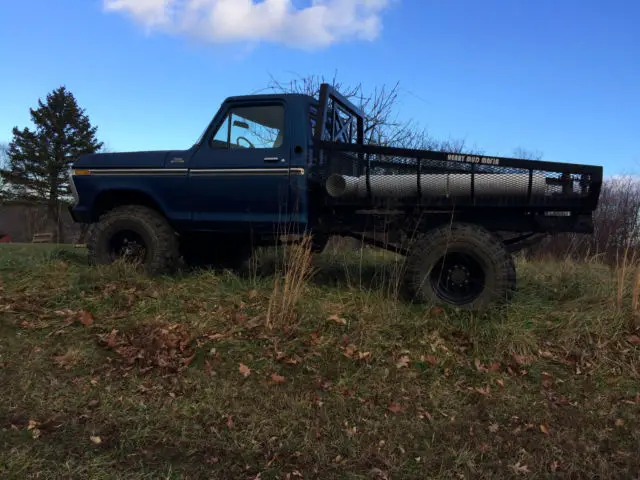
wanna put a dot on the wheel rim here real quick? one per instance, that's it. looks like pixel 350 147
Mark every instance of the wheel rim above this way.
pixel 128 246
pixel 457 278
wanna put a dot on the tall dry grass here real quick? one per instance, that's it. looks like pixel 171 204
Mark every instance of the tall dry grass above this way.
pixel 616 228
pixel 627 277
pixel 294 269
pixel 615 242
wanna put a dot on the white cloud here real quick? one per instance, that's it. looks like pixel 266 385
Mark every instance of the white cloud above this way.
pixel 320 24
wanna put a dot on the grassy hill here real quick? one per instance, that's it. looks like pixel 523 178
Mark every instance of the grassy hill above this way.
pixel 105 373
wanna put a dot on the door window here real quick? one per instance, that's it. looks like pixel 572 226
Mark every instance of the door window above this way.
pixel 251 127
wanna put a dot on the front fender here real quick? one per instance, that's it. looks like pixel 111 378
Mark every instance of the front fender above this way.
pixel 100 191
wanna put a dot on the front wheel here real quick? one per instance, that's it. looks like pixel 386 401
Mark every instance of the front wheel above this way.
pixel 461 265
pixel 136 234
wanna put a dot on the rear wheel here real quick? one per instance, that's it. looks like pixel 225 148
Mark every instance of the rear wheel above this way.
pixel 135 234
pixel 461 265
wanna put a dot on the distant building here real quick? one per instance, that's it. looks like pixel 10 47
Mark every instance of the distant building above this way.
pixel 21 220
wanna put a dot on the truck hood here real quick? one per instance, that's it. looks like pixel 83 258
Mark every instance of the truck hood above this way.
pixel 152 159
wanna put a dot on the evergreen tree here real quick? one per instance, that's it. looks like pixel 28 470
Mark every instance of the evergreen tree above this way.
pixel 38 160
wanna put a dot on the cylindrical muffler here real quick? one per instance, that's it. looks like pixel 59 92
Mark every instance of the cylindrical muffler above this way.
pixel 436 185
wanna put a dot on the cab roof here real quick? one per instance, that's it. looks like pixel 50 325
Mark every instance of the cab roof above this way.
pixel 271 96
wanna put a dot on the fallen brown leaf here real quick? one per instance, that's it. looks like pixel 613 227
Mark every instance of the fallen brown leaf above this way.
pixel 244 370
pixel 634 340
pixel 520 360
pixel 216 336
pixel 430 359
pixel 544 429
pixel 275 378
pixel 33 427
pixel 395 407
pixel 349 351
pixel 403 361
pixel 229 421
pixel 479 366
pixel 518 468
pixel 619 422
pixel 424 414
pixel 364 355
pixel 483 391
pixel 208 368
pixel 112 338
pixel 187 361
pixel 500 382
pixel 86 318
pixel 494 367
pixel 337 319
pixel 68 359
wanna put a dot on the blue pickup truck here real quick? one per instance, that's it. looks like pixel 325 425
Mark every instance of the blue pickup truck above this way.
pixel 273 164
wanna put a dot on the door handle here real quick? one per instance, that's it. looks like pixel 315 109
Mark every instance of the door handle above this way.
pixel 272 159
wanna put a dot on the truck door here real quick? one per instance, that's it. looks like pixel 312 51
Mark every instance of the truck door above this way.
pixel 239 177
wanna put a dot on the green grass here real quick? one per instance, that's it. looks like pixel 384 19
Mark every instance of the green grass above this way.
pixel 150 385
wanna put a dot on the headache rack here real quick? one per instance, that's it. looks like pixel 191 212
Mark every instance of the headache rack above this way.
pixel 351 173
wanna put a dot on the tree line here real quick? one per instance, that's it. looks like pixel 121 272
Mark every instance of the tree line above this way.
pixel 34 164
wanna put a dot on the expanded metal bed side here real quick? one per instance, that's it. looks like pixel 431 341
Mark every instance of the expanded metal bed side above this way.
pixel 369 175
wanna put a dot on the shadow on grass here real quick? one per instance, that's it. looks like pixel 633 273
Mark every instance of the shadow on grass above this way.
pixel 366 272
pixel 367 276
pixel 77 257
pixel 26 256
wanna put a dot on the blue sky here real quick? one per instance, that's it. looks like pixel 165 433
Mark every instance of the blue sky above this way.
pixel 559 77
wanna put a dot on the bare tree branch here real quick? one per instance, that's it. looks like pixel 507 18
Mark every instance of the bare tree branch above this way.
pixel 382 124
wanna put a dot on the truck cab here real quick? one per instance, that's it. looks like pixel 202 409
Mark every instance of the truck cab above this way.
pixel 245 171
